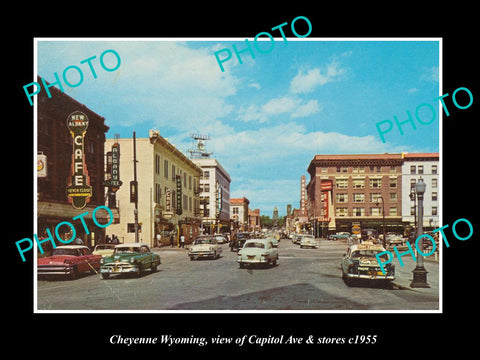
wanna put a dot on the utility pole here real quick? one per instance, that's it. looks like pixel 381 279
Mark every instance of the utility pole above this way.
pixel 135 185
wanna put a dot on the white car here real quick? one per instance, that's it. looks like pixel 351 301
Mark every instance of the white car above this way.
pixel 308 241
pixel 205 246
pixel 258 251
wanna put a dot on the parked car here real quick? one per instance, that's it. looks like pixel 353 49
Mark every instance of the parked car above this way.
pixel 308 241
pixel 68 260
pixel 129 259
pixel 257 251
pixel 205 246
pixel 360 262
pixel 104 249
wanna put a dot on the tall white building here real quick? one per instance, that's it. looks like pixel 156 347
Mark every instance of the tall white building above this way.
pixel 426 167
pixel 214 195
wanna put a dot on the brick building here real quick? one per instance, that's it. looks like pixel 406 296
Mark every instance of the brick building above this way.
pixel 57 151
pixel 355 190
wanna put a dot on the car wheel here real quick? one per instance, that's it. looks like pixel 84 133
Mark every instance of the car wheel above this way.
pixel 214 255
pixel 242 265
pixel 138 272
pixel 153 267
pixel 105 276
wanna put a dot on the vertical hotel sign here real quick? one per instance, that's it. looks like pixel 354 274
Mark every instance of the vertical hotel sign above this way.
pixel 79 190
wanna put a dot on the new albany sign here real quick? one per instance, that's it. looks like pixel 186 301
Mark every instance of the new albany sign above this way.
pixel 79 190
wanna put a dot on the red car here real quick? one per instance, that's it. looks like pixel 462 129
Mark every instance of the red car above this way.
pixel 69 260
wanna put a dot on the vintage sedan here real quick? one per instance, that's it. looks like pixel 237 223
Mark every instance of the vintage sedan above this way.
pixel 68 260
pixel 129 259
pixel 205 246
pixel 360 262
pixel 257 251
pixel 104 249
pixel 308 241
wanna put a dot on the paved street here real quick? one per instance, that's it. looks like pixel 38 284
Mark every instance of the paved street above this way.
pixel 304 279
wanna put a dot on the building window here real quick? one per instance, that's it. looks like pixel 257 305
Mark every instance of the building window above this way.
pixel 359 183
pixel 185 179
pixel 434 169
pixel 190 182
pixel 393 211
pixel 165 169
pixel 157 164
pixel 158 193
pixel 342 198
pixel 434 183
pixel 173 172
pixel 341 212
pixel 420 169
pixel 235 210
pixel 413 169
pixel 434 210
pixel 375 183
pixel 358 198
pixel 185 202
pixel 206 174
pixel 412 211
pixel 393 169
pixel 324 170
pixel 359 211
pixel 375 197
pixel 358 169
pixel 190 203
pixel 393 183
pixel 434 196
pixel 375 211
pixel 393 197
pixel 342 169
pixel 341 183
pixel 412 183
pixel 206 187
pixel 376 169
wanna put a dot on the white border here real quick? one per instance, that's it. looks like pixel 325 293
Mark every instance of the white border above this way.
pixel 353 39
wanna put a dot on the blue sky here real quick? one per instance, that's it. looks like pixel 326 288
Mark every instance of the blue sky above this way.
pixel 269 116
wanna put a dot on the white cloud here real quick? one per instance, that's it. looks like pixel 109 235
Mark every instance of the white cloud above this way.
pixel 292 106
pixel 307 82
pixel 307 109
pixel 431 74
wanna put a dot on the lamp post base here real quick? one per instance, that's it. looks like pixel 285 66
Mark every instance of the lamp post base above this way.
pixel 419 278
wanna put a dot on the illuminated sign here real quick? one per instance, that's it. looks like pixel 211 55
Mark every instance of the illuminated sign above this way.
pixel 79 190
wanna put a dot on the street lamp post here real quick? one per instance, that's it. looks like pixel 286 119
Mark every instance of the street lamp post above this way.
pixel 419 273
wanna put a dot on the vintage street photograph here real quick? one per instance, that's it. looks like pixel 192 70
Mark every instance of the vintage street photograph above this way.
pixel 268 174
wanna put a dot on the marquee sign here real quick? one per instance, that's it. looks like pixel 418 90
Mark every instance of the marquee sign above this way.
pixel 178 180
pixel 79 190
pixel 113 159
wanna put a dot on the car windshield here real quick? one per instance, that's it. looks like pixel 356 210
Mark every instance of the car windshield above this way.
pixel 124 250
pixel 70 252
pixel 255 245
pixel 368 254
pixel 203 241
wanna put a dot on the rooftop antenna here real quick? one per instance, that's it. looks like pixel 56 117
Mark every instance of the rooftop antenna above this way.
pixel 198 150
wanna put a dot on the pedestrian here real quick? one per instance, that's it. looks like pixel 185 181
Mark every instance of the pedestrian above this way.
pixel 182 241
pixel 171 240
